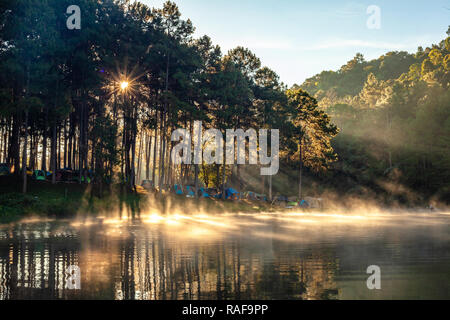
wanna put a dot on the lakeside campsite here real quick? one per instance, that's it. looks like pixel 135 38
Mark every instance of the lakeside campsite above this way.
pixel 258 161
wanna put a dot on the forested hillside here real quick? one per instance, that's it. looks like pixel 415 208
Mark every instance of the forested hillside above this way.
pixel 394 119
pixel 103 101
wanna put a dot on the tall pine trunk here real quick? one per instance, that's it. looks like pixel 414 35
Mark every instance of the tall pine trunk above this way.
pixel 270 188
pixel 44 143
pixel 24 154
pixel 53 142
pixel 155 144
pixel 147 156
pixel 53 154
pixel 300 178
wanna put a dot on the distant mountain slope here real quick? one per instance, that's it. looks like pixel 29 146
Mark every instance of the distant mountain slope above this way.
pixel 430 65
pixel 394 119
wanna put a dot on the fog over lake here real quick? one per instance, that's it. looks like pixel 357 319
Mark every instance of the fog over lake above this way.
pixel 229 256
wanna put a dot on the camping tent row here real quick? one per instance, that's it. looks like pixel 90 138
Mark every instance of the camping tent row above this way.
pixel 62 175
pixel 249 195
pixel 292 202
pixel 65 175
pixel 189 192
pixel 230 193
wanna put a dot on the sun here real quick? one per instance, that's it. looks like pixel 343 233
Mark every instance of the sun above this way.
pixel 124 85
pixel 122 82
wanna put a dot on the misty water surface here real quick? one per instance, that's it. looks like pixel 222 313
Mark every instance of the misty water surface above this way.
pixel 228 256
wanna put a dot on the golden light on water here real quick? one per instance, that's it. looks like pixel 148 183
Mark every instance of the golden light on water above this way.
pixel 299 227
pixel 181 253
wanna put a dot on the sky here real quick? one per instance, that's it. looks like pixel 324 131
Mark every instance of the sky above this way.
pixel 300 38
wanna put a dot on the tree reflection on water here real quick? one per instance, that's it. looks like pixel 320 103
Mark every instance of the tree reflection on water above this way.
pixel 198 257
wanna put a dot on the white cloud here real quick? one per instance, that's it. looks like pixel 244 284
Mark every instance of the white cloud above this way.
pixel 255 43
pixel 350 10
pixel 408 44
pixel 270 44
pixel 346 43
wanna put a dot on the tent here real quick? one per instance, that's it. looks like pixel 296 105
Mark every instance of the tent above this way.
pixel 250 195
pixel 212 192
pixel 147 184
pixel 88 179
pixel 190 192
pixel 178 189
pixel 39 175
pixel 29 172
pixel 261 197
pixel 204 193
pixel 314 203
pixel 231 194
pixel 292 204
pixel 4 169
pixel 255 196
pixel 64 175
pixel 219 195
pixel 304 204
pixel 73 176
pixel 280 200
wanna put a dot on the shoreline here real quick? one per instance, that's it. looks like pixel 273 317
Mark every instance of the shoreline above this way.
pixel 69 200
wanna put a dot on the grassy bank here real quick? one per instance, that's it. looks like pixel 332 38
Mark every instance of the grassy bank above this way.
pixel 43 198
pixel 68 200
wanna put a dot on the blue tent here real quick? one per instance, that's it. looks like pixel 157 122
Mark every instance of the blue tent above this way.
pixel 178 190
pixel 230 193
pixel 304 204
pixel 190 192
pixel 262 197
pixel 250 195
pixel 203 193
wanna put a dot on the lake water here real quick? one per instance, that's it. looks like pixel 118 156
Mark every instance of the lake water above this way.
pixel 228 256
